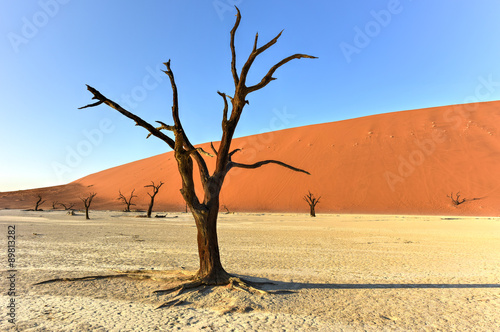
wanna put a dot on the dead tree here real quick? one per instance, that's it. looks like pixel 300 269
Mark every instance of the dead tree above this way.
pixel 68 206
pixel 86 202
pixel 205 209
pixel 128 201
pixel 54 205
pixel 38 203
pixel 155 191
pixel 456 200
pixel 309 198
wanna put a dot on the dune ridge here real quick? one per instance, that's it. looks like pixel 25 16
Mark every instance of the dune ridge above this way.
pixel 405 162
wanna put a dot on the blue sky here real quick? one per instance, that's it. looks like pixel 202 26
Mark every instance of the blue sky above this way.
pixel 374 57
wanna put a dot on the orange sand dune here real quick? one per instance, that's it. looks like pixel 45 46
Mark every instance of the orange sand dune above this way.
pixel 396 163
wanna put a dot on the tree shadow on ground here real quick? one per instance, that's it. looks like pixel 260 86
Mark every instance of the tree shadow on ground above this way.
pixel 181 288
pixel 295 286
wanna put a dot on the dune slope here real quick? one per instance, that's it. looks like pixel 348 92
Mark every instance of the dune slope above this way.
pixel 397 163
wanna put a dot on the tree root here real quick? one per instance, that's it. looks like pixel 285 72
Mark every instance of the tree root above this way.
pixel 201 286
pixel 245 286
pixel 188 284
pixel 180 288
pixel 133 274
pixel 234 283
pixel 82 278
pixel 171 303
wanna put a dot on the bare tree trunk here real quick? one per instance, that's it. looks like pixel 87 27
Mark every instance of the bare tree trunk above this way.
pixel 211 271
pixel 150 207
pixel 312 211
pixel 205 215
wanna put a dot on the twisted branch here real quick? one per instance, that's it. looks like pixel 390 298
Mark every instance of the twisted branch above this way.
pixel 181 138
pixel 262 163
pixel 224 112
pixel 162 127
pixel 139 122
pixel 456 201
pixel 233 51
pixel 309 198
pixel 268 78
pixel 213 148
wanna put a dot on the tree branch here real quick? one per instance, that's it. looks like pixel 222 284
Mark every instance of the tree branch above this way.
pixel 269 76
pixel 269 44
pixel 39 202
pixel 128 202
pixel 224 163
pixel 232 153
pixel 175 101
pixel 224 112
pixel 255 52
pixel 88 200
pixel 139 122
pixel 457 201
pixel 255 42
pixel 200 150
pixel 262 163
pixel 213 148
pixel 165 126
pixel 180 136
pixel 92 105
pixel 311 200
pixel 67 206
pixel 162 127
pixel 156 188
pixel 233 50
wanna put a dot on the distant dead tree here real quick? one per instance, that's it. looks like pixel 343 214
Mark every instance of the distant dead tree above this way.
pixel 68 206
pixel 54 205
pixel 38 203
pixel 127 201
pixel 206 210
pixel 155 191
pixel 456 200
pixel 86 202
pixel 309 198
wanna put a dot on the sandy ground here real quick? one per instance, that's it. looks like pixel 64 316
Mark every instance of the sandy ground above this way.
pixel 347 273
